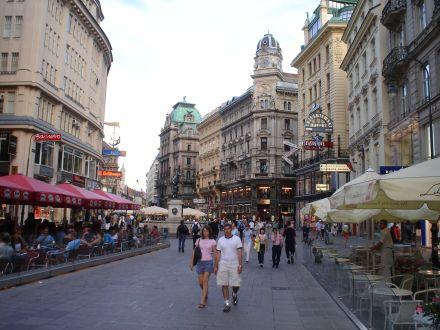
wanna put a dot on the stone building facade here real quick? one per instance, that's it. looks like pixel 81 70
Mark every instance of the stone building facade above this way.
pixel 208 173
pixel 411 69
pixel 151 183
pixel 178 155
pixel 55 58
pixel 322 105
pixel 368 103
pixel 255 180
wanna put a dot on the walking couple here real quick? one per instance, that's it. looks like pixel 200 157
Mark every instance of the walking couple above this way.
pixel 224 259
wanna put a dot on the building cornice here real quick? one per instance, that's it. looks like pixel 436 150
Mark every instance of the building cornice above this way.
pixel 326 30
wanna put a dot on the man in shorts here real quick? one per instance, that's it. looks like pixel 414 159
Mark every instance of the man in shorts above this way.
pixel 229 265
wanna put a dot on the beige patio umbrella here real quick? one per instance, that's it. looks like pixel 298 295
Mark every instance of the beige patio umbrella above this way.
pixel 154 210
pixel 317 208
pixel 408 188
pixel 193 212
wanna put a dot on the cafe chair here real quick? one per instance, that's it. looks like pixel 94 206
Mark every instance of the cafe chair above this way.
pixel 5 266
pixel 400 312
pixel 429 294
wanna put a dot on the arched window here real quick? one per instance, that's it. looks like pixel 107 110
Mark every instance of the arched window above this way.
pixel 266 104
pixel 289 106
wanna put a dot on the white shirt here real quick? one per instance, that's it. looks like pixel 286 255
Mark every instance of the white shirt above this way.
pixel 252 226
pixel 228 248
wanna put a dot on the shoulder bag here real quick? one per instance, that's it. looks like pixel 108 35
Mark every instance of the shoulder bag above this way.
pixel 197 253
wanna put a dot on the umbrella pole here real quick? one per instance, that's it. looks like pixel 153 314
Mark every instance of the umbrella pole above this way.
pixel 434 244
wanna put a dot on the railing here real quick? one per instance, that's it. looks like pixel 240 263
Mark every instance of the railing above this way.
pixel 436 6
pixel 358 134
pixel 366 127
pixel 392 9
pixel 397 55
pixel 8 72
pixel 329 154
pixel 375 119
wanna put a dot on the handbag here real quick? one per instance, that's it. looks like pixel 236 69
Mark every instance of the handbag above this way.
pixel 197 254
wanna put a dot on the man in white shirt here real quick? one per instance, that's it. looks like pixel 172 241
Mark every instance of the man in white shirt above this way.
pixel 385 246
pixel 229 265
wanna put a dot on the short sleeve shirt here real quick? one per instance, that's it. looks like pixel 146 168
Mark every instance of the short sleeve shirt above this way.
pixel 206 248
pixel 228 248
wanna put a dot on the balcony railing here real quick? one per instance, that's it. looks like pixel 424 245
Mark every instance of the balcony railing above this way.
pixel 330 154
pixel 392 13
pixel 395 62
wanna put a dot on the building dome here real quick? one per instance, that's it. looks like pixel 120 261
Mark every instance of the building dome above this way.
pixel 268 43
pixel 185 112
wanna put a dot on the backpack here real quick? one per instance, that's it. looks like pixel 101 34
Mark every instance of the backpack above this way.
pixel 195 229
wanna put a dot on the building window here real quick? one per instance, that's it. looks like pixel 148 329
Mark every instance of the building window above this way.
pixel 350 83
pixel 303 75
pixel 329 110
pixel 263 143
pixel 367 111
pixel 426 82
pixel 303 101
pixel 287 124
pixel 72 160
pixel 319 61
pixel 188 161
pixel 374 107
pixel 188 175
pixel 327 53
pixel 310 69
pixel 356 74
pixel 328 82
pixel 310 95
pixel 315 92
pixel 319 88
pixel 10 103
pixel 91 168
pixel 263 123
pixel 404 95
pixel 4 62
pixel 422 15
pixel 45 110
pixel 364 62
pixel 7 26
pixel 263 166
pixel 18 26
pixel 44 153
pixel 358 117
pixel 188 147
pixel 14 62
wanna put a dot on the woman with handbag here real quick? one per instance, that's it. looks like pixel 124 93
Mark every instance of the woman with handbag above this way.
pixel 203 257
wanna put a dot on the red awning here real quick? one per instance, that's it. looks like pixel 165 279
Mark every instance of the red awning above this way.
pixel 122 203
pixel 91 199
pixel 21 189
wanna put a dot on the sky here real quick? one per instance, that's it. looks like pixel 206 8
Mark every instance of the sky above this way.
pixel 203 49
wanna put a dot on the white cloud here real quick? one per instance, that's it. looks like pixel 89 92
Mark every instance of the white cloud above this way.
pixel 166 49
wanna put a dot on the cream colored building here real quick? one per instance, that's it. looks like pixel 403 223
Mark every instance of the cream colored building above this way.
pixel 368 104
pixel 54 63
pixel 208 174
pixel 322 102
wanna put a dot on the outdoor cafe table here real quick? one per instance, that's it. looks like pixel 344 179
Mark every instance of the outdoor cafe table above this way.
pixel 429 272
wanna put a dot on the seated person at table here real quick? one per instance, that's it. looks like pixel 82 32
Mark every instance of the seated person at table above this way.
pixel 88 235
pixel 45 239
pixel 108 239
pixel 18 242
pixel 154 232
pixel 6 249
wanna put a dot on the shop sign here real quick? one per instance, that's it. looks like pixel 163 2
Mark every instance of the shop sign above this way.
pixel 314 107
pixel 110 174
pixel 264 202
pixel 318 122
pixel 322 187
pixel 316 145
pixel 199 201
pixel 390 169
pixel 47 137
pixel 114 152
pixel 334 168
pixel 79 179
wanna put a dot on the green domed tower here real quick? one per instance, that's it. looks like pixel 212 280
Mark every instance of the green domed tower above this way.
pixel 185 113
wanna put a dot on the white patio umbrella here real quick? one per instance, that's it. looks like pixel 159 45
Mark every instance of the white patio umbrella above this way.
pixel 317 208
pixel 408 188
pixel 154 210
pixel 193 212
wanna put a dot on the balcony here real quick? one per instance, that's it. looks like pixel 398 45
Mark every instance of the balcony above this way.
pixel 392 13
pixel 396 62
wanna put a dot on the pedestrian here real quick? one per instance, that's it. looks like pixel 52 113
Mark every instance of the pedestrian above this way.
pixel 182 232
pixel 323 230
pixel 385 246
pixel 345 234
pixel 214 228
pixel 205 266
pixel 234 228
pixel 262 239
pixel 195 232
pixel 247 241
pixel 334 229
pixel 229 265
pixel 290 241
pixel 277 244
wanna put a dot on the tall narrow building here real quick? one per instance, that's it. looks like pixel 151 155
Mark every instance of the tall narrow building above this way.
pixel 55 58
pixel 322 110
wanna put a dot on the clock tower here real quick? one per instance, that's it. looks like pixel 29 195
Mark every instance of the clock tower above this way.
pixel 268 58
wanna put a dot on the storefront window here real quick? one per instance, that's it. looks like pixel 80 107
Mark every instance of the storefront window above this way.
pixel 286 192
pixel 406 150
pixel 44 153
pixel 72 160
pixel 263 192
pixel 91 166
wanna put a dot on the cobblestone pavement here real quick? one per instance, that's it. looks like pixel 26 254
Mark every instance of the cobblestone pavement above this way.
pixel 157 291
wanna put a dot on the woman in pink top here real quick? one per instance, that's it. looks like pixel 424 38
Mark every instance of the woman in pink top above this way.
pixel 277 244
pixel 205 266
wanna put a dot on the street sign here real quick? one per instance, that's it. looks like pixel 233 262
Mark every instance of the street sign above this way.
pixel 293 148
pixel 334 168
pixel 114 152
pixel 47 137
pixel 322 187
pixel 390 169
pixel 110 174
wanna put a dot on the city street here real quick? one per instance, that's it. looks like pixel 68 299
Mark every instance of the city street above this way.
pixel 157 291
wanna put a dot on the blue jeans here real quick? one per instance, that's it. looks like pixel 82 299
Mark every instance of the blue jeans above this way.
pixel 182 243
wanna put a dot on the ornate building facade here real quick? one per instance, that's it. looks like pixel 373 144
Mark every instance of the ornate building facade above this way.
pixel 55 59
pixel 208 173
pixel 322 106
pixel 151 183
pixel 258 128
pixel 368 103
pixel 179 145
pixel 411 69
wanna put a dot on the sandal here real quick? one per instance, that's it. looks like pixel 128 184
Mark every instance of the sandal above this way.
pixel 201 306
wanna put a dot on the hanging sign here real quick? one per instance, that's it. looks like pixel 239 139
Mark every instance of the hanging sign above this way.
pixel 334 168
pixel 47 137
pixel 318 122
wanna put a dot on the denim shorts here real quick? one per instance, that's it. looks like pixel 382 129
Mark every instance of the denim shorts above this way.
pixel 205 266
